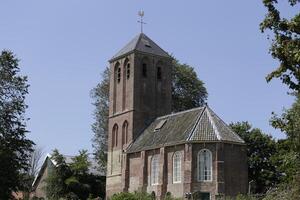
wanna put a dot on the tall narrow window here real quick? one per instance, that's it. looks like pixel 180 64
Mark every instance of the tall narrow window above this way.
pixel 116 77
pixel 159 73
pixel 119 74
pixel 177 167
pixel 128 71
pixel 144 70
pixel 154 169
pixel 204 165
pixel 115 136
pixel 125 133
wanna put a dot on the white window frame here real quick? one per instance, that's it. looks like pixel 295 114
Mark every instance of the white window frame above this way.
pixel 203 178
pixel 177 167
pixel 154 169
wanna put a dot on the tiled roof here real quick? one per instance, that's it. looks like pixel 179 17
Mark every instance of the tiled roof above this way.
pixel 141 43
pixel 199 124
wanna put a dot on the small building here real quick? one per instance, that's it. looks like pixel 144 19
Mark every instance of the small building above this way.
pixel 48 164
pixel 153 150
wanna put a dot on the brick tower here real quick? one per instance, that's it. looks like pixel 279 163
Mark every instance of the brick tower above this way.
pixel 140 91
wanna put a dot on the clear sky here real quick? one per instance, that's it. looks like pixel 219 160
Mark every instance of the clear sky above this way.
pixel 65 45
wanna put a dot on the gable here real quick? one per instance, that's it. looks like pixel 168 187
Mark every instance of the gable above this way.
pixel 38 182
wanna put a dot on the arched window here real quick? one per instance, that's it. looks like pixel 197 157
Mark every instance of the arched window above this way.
pixel 125 133
pixel 128 70
pixel 119 74
pixel 158 73
pixel 177 167
pixel 115 136
pixel 144 70
pixel 204 165
pixel 154 169
pixel 116 78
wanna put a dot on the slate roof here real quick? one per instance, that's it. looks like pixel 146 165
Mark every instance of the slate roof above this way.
pixel 199 124
pixel 141 43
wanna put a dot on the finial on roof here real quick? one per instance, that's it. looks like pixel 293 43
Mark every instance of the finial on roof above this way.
pixel 141 14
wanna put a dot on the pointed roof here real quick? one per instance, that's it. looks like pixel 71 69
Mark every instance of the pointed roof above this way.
pixel 199 124
pixel 141 43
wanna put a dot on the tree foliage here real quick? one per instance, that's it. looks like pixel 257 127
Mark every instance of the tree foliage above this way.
pixel 140 196
pixel 100 96
pixel 55 182
pixel 73 180
pixel 285 48
pixel 289 123
pixel 187 92
pixel 261 152
pixel 15 148
pixel 285 45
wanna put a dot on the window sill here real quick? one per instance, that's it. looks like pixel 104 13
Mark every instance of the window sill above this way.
pixel 177 182
pixel 205 181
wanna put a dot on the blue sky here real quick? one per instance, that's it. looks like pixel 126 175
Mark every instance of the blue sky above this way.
pixel 63 47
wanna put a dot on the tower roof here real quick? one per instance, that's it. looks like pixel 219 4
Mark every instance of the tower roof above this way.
pixel 195 125
pixel 141 43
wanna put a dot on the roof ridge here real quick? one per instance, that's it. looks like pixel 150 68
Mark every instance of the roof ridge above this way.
pixel 137 41
pixel 213 124
pixel 155 43
pixel 235 134
pixel 195 125
pixel 181 112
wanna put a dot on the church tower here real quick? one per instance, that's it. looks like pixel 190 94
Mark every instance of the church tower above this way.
pixel 140 91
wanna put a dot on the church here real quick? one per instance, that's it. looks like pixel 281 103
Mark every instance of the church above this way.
pixel 189 154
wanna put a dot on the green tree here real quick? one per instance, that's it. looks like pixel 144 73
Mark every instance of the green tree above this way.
pixel 77 183
pixel 285 45
pixel 15 148
pixel 73 180
pixel 261 152
pixel 187 92
pixel 286 49
pixel 289 123
pixel 100 96
pixel 55 187
pixel 80 164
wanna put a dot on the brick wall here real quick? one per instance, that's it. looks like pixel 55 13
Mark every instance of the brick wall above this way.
pixel 137 100
pixel 236 169
pixel 229 175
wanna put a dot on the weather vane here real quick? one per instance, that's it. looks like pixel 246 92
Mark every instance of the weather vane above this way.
pixel 141 14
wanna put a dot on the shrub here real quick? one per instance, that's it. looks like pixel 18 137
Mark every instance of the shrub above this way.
pixel 139 196
pixel 123 196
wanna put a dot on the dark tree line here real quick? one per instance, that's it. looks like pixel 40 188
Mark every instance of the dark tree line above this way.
pixel 15 148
